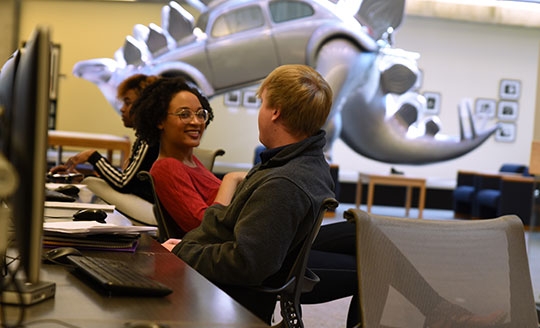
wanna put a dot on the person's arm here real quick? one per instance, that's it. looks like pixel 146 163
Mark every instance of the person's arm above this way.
pixel 259 241
pixel 228 187
pixel 72 162
pixel 117 178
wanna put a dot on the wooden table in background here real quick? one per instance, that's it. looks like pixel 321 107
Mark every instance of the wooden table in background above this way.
pixel 391 180
pixel 90 140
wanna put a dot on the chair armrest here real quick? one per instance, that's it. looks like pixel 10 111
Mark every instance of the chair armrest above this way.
pixel 309 281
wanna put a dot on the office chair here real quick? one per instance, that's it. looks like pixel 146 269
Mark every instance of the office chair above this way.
pixel 299 279
pixel 167 227
pixel 138 210
pixel 426 273
pixel 208 156
pixel 508 194
pixel 470 183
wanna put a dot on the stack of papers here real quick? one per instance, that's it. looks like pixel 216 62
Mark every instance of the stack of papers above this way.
pixel 93 235
pixel 93 227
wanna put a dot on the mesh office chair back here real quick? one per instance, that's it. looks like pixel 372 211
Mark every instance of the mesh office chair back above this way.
pixel 433 273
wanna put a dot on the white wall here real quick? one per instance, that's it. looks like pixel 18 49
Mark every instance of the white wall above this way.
pixel 458 59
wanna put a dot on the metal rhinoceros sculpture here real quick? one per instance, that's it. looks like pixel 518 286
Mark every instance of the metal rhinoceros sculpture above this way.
pixel 236 43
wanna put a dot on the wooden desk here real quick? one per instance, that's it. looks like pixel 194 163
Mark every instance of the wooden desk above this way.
pixel 392 180
pixel 90 140
pixel 195 302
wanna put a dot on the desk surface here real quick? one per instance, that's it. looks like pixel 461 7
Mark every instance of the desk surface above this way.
pixel 195 302
pixel 392 179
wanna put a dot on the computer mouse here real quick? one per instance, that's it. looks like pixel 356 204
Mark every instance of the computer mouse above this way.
pixel 90 214
pixel 69 189
pixel 60 254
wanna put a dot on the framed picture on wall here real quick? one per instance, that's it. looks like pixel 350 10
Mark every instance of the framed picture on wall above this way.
pixel 506 132
pixel 510 89
pixel 251 100
pixel 232 99
pixel 507 110
pixel 55 71
pixel 485 107
pixel 433 102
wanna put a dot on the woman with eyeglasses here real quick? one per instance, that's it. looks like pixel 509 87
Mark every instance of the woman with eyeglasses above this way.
pixel 177 122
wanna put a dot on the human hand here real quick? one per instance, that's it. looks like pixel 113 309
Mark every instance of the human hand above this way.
pixel 236 176
pixel 228 186
pixel 171 243
pixel 80 158
pixel 62 168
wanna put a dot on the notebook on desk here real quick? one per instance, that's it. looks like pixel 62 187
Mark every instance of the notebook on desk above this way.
pixel 106 242
pixel 78 206
pixel 65 210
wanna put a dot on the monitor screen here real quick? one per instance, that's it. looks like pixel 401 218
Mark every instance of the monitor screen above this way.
pixel 28 155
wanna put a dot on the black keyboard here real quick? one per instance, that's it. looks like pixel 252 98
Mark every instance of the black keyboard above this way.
pixel 116 277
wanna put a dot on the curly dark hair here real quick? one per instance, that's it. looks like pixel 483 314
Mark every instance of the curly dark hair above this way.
pixel 152 106
pixel 136 82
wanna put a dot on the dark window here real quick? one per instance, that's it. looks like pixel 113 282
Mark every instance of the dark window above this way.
pixel 239 20
pixel 283 11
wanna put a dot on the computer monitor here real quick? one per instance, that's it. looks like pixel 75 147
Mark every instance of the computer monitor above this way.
pixel 28 155
pixel 8 178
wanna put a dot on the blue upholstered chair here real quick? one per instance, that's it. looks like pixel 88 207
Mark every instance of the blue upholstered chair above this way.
pixel 470 183
pixel 257 156
pixel 512 194
pixel 463 194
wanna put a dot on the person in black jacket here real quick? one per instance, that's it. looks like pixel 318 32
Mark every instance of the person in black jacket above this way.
pixel 245 242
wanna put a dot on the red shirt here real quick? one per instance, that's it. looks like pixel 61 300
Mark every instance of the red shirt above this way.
pixel 184 191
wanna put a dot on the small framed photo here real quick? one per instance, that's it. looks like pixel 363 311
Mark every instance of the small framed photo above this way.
pixel 510 89
pixel 506 132
pixel 55 71
pixel 433 102
pixel 507 110
pixel 232 99
pixel 251 100
pixel 485 107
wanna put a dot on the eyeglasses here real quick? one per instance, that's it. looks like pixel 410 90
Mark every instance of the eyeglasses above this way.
pixel 186 115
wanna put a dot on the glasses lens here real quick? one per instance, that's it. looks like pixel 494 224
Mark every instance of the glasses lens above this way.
pixel 202 115
pixel 186 115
